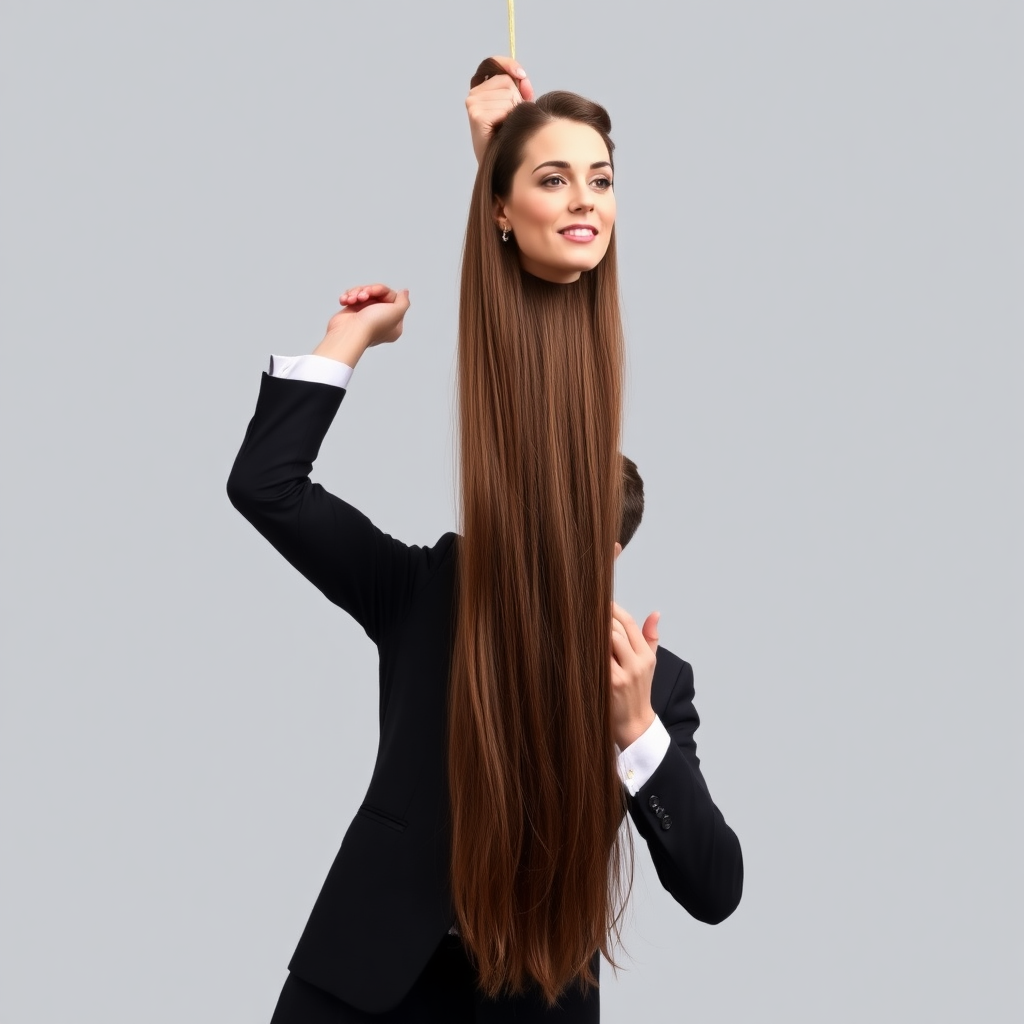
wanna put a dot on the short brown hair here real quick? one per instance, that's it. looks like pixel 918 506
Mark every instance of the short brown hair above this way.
pixel 632 500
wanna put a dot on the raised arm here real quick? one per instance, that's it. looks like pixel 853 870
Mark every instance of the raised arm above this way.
pixel 357 566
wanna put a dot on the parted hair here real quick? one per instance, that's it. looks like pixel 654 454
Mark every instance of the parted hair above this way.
pixel 536 803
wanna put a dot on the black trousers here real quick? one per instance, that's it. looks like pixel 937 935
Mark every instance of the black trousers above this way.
pixel 445 993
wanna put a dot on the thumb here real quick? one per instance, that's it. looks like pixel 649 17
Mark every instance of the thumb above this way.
pixel 650 630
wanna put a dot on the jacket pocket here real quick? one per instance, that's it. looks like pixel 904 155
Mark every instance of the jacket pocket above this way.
pixel 382 817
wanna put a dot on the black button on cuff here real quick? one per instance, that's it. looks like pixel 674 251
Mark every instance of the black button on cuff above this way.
pixel 666 823
pixel 653 802
pixel 659 811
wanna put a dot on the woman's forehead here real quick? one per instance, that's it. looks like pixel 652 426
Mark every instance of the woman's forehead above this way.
pixel 565 141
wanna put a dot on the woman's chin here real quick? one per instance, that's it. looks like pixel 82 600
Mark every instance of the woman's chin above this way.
pixel 563 272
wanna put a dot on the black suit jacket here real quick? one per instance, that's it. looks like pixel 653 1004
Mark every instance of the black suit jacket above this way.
pixel 386 902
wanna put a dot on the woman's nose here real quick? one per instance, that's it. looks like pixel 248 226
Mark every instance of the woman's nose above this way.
pixel 581 199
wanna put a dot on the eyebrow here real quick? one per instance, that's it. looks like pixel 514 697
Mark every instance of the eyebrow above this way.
pixel 564 165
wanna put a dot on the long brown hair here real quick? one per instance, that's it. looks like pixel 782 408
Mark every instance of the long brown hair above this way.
pixel 536 802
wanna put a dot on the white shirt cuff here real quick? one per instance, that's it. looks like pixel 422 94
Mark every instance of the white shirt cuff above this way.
pixel 316 369
pixel 639 760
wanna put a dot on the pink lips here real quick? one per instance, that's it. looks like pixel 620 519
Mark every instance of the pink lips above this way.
pixel 582 239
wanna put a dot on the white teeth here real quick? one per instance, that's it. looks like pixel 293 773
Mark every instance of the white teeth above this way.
pixel 579 232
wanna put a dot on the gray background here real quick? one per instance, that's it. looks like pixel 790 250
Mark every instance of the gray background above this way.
pixel 820 235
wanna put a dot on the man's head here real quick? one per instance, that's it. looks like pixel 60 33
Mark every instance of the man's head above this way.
pixel 632 503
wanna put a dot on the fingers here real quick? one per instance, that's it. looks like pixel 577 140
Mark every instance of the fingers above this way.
pixel 621 647
pixel 511 66
pixel 518 86
pixel 368 293
pixel 363 293
pixel 512 69
pixel 640 640
pixel 650 630
pixel 514 83
pixel 488 104
pixel 629 626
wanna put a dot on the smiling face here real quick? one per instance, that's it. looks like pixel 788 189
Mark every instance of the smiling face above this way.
pixel 561 207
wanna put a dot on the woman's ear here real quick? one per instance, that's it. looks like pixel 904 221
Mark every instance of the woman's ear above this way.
pixel 500 219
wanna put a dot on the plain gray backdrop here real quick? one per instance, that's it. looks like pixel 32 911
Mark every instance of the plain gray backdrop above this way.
pixel 820 226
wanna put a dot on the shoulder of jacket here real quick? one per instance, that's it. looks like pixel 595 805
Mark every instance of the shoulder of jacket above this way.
pixel 439 554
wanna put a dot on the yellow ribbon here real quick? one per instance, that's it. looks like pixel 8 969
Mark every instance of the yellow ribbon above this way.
pixel 512 28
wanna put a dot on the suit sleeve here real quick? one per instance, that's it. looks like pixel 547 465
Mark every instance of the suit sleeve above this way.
pixel 696 854
pixel 354 564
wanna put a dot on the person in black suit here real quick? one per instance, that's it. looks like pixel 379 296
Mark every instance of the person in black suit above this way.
pixel 378 945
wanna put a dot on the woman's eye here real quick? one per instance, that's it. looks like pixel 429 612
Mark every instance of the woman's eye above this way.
pixel 557 179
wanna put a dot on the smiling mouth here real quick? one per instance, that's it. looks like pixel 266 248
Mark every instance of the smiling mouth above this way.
pixel 579 236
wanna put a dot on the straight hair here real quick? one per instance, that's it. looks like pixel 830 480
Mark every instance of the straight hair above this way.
pixel 536 802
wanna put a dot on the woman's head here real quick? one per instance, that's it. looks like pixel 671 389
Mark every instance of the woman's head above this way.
pixel 549 169
pixel 558 205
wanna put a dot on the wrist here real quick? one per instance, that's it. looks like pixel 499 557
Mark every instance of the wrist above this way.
pixel 346 345
pixel 629 732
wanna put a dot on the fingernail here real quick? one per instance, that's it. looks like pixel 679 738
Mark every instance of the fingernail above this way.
pixel 520 72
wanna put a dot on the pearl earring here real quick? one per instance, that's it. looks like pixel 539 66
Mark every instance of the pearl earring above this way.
pixel 504 234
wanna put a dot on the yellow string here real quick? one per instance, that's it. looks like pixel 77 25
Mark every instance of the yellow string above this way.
pixel 512 28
